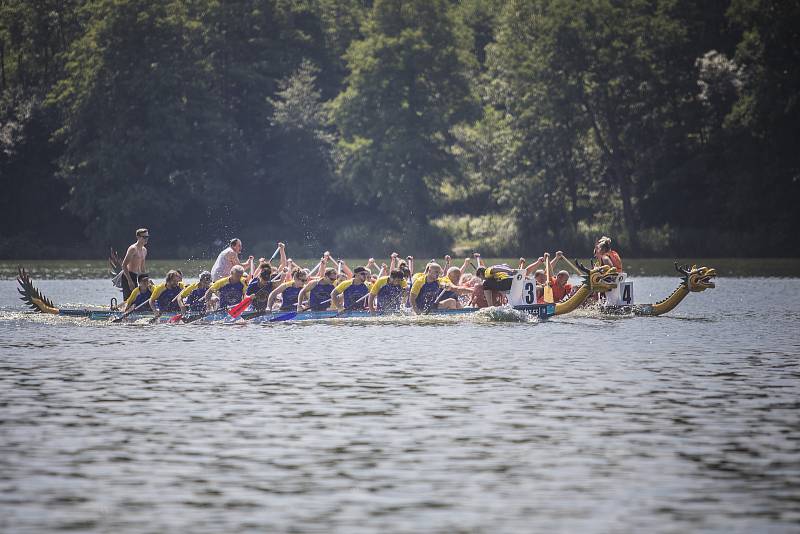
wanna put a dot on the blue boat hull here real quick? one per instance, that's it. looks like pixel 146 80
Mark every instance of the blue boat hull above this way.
pixel 542 311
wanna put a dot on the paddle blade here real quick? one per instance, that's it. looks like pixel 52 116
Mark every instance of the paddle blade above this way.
pixel 175 318
pixel 285 317
pixel 548 293
pixel 237 310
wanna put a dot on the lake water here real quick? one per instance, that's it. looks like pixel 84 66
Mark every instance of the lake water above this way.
pixel 682 423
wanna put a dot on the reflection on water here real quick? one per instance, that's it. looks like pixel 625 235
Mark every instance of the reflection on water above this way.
pixel 687 422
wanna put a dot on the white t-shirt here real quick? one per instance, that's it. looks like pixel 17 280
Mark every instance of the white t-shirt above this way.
pixel 225 261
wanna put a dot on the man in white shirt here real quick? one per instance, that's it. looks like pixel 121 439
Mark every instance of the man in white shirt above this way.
pixel 228 258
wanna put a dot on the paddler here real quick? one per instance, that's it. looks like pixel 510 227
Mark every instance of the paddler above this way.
pixel 318 291
pixel 454 274
pixel 165 296
pixel 140 294
pixel 282 265
pixel 386 294
pixel 261 287
pixel 605 255
pixel 228 291
pixel 496 279
pixel 349 295
pixel 193 296
pixel 561 286
pixel 426 292
pixel 288 291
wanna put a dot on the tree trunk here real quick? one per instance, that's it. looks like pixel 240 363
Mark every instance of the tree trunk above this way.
pixel 612 148
pixel 2 65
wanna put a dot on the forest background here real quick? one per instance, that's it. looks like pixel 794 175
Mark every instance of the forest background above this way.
pixel 412 125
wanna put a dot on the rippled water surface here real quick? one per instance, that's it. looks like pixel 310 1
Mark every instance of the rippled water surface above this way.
pixel 686 422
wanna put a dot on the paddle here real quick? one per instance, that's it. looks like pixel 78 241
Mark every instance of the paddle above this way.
pixel 351 307
pixel 571 265
pixel 197 317
pixel 283 317
pixel 548 288
pixel 127 313
pixel 274 254
pixel 430 305
pixel 237 310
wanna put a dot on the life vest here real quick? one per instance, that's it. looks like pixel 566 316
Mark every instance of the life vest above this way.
pixel 559 292
pixel 194 300
pixel 141 298
pixel 498 272
pixel 427 295
pixel 354 292
pixel 318 295
pixel 290 298
pixel 166 300
pixel 616 261
pixel 260 293
pixel 230 294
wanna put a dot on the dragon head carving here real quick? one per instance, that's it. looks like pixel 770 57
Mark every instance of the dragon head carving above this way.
pixel 602 278
pixel 696 278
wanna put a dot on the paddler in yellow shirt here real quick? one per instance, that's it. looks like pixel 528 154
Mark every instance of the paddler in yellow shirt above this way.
pixel 165 296
pixel 427 291
pixel 230 289
pixel 350 294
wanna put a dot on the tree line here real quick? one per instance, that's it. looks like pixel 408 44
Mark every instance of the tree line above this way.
pixel 366 126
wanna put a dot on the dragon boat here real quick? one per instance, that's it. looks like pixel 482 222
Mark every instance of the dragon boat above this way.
pixel 522 298
pixel 694 279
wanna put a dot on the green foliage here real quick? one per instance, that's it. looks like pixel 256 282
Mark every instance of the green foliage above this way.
pixel 406 88
pixel 419 125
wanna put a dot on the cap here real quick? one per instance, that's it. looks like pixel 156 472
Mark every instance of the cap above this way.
pixel 360 269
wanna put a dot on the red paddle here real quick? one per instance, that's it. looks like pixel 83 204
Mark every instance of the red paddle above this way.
pixel 237 310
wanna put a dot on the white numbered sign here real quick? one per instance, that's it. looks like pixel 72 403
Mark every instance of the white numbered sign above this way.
pixel 622 295
pixel 523 290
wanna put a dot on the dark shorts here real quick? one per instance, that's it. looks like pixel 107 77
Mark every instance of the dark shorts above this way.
pixel 492 284
pixel 126 289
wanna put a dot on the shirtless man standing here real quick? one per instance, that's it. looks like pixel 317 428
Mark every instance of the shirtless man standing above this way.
pixel 133 263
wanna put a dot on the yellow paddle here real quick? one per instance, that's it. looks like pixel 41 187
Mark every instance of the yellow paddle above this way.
pixel 548 288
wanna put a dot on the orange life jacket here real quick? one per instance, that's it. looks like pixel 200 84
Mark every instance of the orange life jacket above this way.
pixel 559 292
pixel 616 261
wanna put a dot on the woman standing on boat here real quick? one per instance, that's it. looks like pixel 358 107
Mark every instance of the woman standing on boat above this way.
pixel 605 255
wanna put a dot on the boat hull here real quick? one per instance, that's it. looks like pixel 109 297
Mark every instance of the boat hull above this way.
pixel 541 311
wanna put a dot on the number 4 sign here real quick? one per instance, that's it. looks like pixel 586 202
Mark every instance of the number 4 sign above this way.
pixel 621 295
